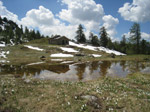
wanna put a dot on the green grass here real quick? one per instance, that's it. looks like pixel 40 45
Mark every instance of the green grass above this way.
pixel 20 54
pixel 131 94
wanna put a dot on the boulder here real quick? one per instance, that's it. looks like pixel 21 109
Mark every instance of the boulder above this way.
pixel 112 55
pixel 42 57
pixel 80 54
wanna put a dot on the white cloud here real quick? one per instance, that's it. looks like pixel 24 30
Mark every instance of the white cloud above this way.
pixel 68 31
pixel 40 17
pixel 85 12
pixel 45 20
pixel 5 13
pixel 138 11
pixel 110 24
pixel 145 36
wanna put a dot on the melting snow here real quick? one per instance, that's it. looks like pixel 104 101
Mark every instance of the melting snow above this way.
pixel 96 55
pixel 56 59
pixel 66 62
pixel 34 48
pixel 2 45
pixel 4 61
pixel 95 48
pixel 12 43
pixel 68 49
pixel 37 63
pixel 3 54
pixel 61 55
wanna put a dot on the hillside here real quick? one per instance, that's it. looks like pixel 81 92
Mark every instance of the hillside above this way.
pixel 33 50
pixel 14 34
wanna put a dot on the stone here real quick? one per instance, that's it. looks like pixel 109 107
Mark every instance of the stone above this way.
pixel 89 97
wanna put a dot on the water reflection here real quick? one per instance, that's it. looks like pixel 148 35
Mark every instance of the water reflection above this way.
pixel 77 71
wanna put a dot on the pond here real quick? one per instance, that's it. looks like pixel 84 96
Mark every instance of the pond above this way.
pixel 71 71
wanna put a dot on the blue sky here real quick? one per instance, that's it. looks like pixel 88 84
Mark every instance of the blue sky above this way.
pixel 63 16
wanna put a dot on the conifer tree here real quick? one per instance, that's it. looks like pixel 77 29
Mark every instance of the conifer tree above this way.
pixel 135 36
pixel 123 44
pixel 103 37
pixel 110 44
pixel 143 46
pixel 80 35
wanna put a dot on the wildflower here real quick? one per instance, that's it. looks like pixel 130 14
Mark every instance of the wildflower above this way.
pixel 68 103
pixel 12 90
pixel 75 97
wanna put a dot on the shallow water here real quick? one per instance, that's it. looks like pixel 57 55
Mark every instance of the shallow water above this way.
pixel 70 71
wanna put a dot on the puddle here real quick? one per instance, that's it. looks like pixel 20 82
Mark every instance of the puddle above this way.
pixel 69 71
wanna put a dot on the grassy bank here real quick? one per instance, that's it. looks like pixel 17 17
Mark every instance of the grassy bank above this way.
pixel 23 55
pixel 131 94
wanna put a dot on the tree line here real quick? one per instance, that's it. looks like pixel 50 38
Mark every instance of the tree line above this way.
pixel 11 33
pixel 132 45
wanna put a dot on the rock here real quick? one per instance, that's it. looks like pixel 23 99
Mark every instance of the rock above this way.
pixel 112 55
pixel 94 102
pixel 79 54
pixel 42 58
pixel 27 80
pixel 89 97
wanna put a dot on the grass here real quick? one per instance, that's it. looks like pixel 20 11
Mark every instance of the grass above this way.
pixel 131 94
pixel 22 55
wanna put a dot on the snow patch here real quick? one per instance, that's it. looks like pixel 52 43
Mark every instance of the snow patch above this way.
pixel 56 59
pixel 66 62
pixel 37 63
pixel 12 43
pixel 82 46
pixel 68 49
pixel 4 61
pixel 61 55
pixel 95 48
pixel 34 48
pixel 96 55
pixel 2 45
pixel 3 54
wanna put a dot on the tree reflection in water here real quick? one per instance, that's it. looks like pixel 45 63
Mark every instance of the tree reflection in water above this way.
pixel 87 71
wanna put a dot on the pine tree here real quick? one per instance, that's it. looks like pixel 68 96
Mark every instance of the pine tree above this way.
pixel 110 44
pixel 1 22
pixel 135 36
pixel 91 36
pixel 123 44
pixel 143 46
pixel 94 39
pixel 18 36
pixel 33 35
pixel 38 35
pixel 80 35
pixel 103 37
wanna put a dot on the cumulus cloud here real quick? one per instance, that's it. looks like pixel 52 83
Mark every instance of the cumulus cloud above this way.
pixel 47 23
pixel 138 11
pixel 40 17
pixel 86 12
pixel 68 31
pixel 145 36
pixel 5 13
pixel 110 24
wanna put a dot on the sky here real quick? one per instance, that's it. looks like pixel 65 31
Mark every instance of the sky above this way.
pixel 63 16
